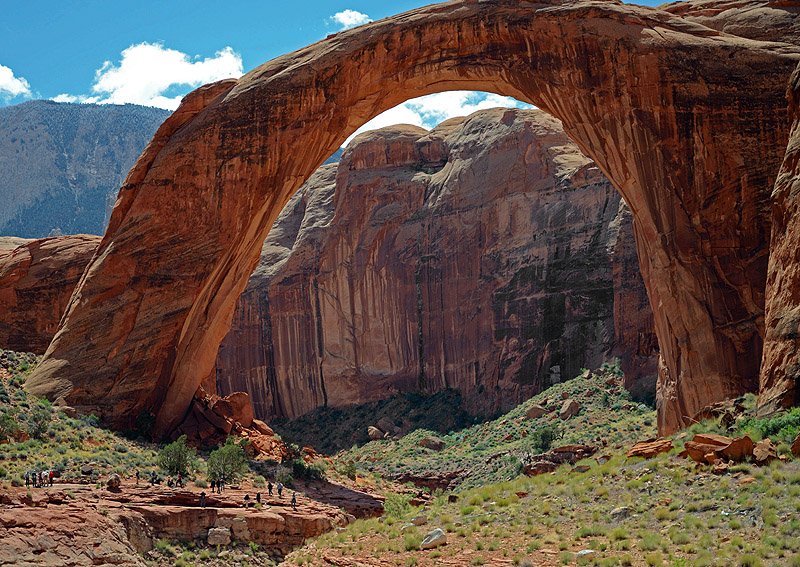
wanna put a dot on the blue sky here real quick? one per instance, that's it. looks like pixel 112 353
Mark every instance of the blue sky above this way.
pixel 153 52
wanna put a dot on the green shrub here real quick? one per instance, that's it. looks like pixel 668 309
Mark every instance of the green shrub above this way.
pixel 176 458
pixel 39 420
pixel 228 462
pixel 542 438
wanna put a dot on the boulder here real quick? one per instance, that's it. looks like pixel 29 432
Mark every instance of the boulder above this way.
pixel 86 470
pixel 262 428
pixel 540 467
pixel 708 447
pixel 569 408
pixel 739 449
pixel 219 536
pixel 241 407
pixel 432 443
pixel 434 539
pixel 764 452
pixel 420 520
pixel 374 433
pixel 620 513
pixel 796 446
pixel 113 481
pixel 387 426
pixel 536 411
pixel 650 448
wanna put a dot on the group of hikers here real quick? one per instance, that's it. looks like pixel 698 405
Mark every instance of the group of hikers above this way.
pixel 38 479
pixel 247 502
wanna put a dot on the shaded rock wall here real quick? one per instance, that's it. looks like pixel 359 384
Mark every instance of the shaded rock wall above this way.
pixel 780 368
pixel 37 278
pixel 488 255
pixel 687 122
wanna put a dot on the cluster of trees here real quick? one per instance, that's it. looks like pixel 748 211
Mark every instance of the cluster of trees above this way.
pixel 228 462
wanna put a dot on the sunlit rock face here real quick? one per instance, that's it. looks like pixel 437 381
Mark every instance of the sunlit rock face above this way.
pixel 37 278
pixel 688 123
pixel 479 256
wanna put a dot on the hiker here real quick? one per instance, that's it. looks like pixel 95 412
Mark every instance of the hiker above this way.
pixel 246 500
pixel 40 479
pixel 213 484
pixel 258 497
pixel 152 478
pixel 269 487
pixel 203 499
pixel 221 484
pixel 294 500
pixel 27 479
pixel 179 482
pixel 137 477
pixel 280 489
pixel 51 478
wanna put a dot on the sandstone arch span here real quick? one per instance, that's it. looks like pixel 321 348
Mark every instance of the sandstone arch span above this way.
pixel 688 123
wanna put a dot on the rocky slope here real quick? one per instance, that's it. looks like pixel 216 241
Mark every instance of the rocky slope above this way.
pixel 36 281
pixel 488 255
pixel 63 163
pixel 687 122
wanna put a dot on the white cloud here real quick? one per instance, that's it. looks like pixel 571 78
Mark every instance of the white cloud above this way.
pixel 64 97
pixel 148 70
pixel 350 19
pixel 11 86
pixel 428 111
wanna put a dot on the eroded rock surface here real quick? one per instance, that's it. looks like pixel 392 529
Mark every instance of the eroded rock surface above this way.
pixel 780 369
pixel 482 256
pixel 37 278
pixel 687 122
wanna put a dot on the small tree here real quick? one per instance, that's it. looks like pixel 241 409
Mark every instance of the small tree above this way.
pixel 228 462
pixel 39 420
pixel 176 457
pixel 8 426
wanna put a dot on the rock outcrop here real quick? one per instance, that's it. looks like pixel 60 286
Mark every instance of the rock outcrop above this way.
pixel 480 256
pixel 687 122
pixel 37 278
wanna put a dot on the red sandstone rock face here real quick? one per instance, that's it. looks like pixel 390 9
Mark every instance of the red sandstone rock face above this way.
pixel 780 369
pixel 764 20
pixel 37 278
pixel 688 123
pixel 478 256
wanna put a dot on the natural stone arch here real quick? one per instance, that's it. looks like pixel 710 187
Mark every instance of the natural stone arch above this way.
pixel 689 124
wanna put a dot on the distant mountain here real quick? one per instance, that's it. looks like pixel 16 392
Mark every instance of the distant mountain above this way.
pixel 62 164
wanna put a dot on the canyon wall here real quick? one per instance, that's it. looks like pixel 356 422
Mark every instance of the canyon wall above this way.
pixel 37 278
pixel 780 368
pixel 488 255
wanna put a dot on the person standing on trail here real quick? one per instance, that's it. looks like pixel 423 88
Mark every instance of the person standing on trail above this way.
pixel 280 489
pixel 180 480
pixel 51 477
pixel 269 487
pixel 294 500
pixel 27 479
pixel 258 498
